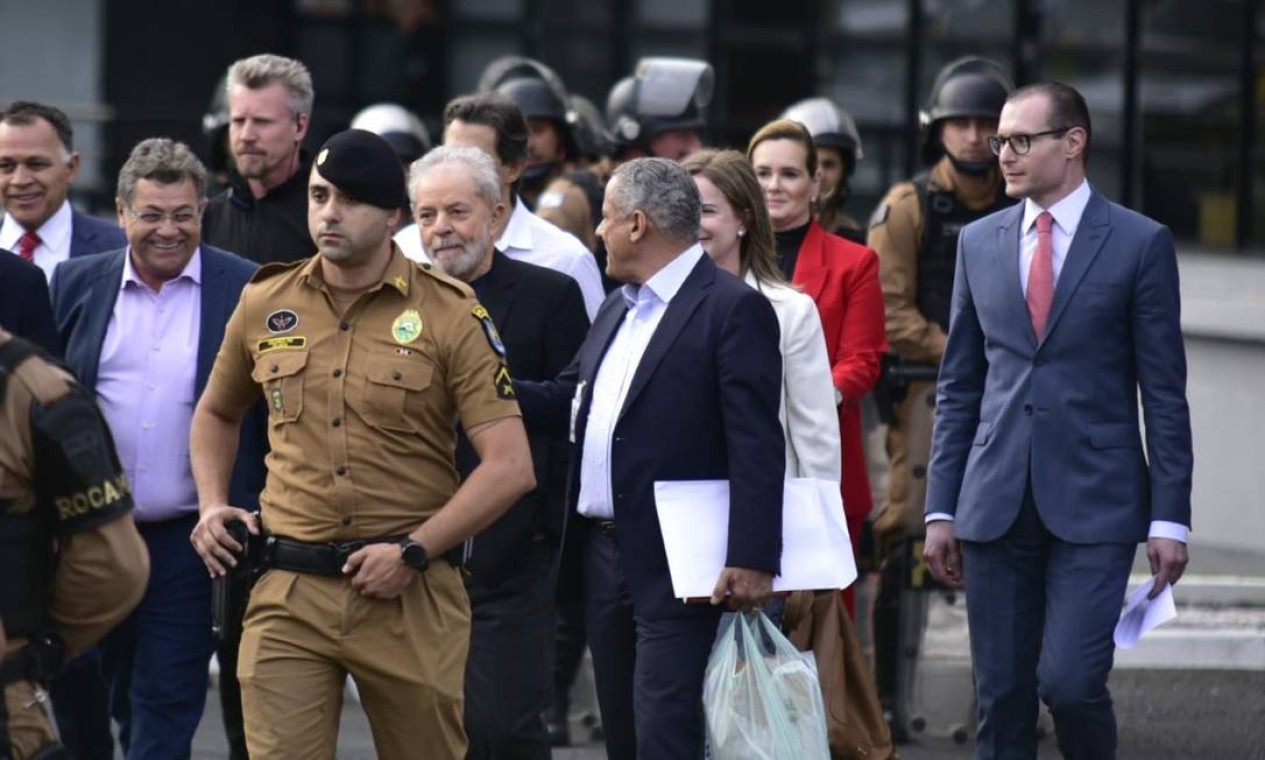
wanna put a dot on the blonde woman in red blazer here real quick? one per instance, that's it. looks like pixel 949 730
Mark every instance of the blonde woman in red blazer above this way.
pixel 841 277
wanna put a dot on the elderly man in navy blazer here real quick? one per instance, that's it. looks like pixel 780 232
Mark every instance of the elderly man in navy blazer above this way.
pixel 1065 310
pixel 142 326
pixel 678 379
pixel 38 163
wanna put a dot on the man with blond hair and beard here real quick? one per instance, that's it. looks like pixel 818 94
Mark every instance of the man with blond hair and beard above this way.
pixel 456 200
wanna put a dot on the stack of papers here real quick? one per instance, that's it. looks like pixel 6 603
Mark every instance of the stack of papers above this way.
pixel 1141 614
pixel 694 518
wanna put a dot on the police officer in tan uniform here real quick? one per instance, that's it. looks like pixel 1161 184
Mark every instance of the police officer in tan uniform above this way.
pixel 914 231
pixel 366 361
pixel 61 485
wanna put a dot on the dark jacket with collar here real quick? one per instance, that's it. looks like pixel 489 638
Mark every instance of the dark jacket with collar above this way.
pixel 84 294
pixel 271 228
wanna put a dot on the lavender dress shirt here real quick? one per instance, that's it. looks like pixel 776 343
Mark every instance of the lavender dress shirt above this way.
pixel 145 387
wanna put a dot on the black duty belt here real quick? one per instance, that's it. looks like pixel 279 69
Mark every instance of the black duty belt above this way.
pixel 325 558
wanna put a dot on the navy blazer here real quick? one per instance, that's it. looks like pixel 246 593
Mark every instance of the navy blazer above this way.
pixel 89 235
pixel 702 405
pixel 1063 411
pixel 84 293
pixel 25 309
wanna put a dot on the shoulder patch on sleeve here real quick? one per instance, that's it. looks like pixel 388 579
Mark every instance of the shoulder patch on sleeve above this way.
pixel 489 329
pixel 504 384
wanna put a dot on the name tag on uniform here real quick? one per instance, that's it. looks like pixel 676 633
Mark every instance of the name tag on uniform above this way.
pixel 576 400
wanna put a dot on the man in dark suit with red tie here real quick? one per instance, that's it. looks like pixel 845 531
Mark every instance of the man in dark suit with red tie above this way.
pixel 38 163
pixel 1066 310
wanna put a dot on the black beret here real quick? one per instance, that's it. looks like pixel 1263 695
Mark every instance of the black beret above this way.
pixel 364 166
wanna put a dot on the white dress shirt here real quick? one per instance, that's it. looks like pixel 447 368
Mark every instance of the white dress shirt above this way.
pixel 529 238
pixel 1067 213
pixel 646 307
pixel 409 239
pixel 54 247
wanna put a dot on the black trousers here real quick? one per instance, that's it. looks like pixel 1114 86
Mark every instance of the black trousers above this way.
pixel 509 672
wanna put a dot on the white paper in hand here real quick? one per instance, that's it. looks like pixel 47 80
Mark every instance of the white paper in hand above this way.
pixel 694 520
pixel 1141 614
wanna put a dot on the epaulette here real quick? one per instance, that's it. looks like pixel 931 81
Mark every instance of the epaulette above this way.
pixel 438 275
pixel 275 268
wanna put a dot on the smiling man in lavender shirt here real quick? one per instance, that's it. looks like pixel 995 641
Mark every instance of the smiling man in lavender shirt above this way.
pixel 141 326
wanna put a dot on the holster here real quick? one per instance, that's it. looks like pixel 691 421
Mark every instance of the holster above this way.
pixel 894 381
pixel 230 592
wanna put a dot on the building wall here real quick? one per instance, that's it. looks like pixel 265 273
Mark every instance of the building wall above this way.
pixel 67 73
pixel 1223 317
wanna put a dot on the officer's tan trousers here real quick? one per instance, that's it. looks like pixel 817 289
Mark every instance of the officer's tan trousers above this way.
pixel 903 451
pixel 302 636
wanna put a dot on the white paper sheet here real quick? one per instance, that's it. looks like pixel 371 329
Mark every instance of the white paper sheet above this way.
pixel 1141 614
pixel 694 519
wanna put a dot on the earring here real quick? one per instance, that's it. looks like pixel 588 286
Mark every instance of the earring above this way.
pixel 741 233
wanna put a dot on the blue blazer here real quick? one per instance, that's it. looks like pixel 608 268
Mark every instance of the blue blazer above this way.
pixel 84 292
pixel 89 235
pixel 1065 409
pixel 703 404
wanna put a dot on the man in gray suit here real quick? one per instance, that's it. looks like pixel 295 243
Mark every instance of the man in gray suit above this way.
pixel 1065 307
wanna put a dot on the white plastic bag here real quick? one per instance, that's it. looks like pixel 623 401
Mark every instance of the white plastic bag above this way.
pixel 761 696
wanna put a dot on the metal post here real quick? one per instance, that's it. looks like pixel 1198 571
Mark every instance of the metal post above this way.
pixel 1247 125
pixel 1130 128
pixel 913 59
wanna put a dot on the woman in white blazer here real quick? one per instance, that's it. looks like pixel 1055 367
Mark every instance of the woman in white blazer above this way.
pixel 736 233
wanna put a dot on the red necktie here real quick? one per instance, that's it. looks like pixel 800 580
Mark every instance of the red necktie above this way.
pixel 27 245
pixel 1041 275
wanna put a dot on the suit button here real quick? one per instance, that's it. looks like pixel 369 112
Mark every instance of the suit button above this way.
pixel 1027 409
pixel 619 497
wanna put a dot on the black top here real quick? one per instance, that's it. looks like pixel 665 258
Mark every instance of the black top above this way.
pixel 788 245
pixel 272 228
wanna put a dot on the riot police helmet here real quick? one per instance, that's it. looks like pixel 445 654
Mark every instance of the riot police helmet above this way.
pixel 663 94
pixel 401 129
pixel 831 127
pixel 969 87
pixel 592 140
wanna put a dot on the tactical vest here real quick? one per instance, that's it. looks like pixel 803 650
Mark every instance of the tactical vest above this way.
pixel 26 539
pixel 943 216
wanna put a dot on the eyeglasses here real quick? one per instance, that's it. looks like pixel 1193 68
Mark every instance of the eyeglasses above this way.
pixel 180 217
pixel 1020 144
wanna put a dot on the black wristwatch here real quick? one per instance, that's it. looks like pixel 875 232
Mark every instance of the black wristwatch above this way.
pixel 414 555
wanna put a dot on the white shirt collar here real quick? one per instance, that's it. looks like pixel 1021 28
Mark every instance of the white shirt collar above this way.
pixel 192 270
pixel 667 282
pixel 1067 212
pixel 518 230
pixel 54 233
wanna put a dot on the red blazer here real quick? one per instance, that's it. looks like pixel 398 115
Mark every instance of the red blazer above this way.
pixel 842 278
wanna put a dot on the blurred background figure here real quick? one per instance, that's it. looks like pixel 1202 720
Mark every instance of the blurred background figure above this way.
pixel 544 101
pixel 839 151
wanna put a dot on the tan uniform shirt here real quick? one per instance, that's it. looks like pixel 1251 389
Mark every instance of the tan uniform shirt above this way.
pixel 102 565
pixel 896 231
pixel 362 406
